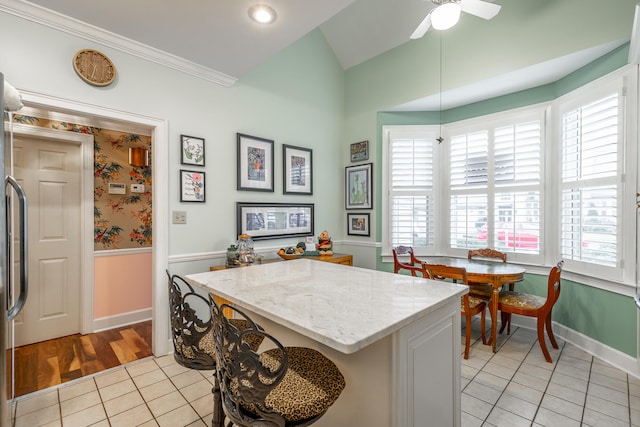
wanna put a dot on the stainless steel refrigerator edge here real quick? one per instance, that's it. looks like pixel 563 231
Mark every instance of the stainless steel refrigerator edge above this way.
pixel 4 320
pixel 7 296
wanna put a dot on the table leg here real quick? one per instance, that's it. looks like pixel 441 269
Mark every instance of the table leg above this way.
pixel 493 308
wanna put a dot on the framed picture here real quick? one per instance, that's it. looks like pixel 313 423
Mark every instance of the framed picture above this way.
pixel 274 220
pixel 298 169
pixel 192 186
pixel 358 224
pixel 255 163
pixel 192 150
pixel 358 186
pixel 360 151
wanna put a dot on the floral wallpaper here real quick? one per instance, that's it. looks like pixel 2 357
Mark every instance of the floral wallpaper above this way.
pixel 120 221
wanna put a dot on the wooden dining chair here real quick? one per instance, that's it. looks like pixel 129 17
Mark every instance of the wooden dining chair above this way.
pixel 280 387
pixel 482 290
pixel 469 305
pixel 486 253
pixel 534 306
pixel 413 265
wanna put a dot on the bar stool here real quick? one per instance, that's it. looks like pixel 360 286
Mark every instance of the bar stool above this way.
pixel 191 325
pixel 284 386
pixel 192 331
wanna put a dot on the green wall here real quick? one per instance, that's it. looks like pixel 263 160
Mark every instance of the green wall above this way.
pixel 477 51
pixel 302 97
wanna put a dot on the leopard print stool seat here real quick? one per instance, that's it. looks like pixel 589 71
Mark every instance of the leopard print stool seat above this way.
pixel 311 384
pixel 284 386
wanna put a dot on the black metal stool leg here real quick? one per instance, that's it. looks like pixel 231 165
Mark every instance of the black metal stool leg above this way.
pixel 218 417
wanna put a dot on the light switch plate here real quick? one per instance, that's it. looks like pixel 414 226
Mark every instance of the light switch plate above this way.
pixel 179 217
pixel 137 188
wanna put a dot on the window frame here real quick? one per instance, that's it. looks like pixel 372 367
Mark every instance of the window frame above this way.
pixel 625 82
pixel 489 123
pixel 387 132
pixel 550 251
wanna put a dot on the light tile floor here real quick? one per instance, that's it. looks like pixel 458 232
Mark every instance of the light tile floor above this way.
pixel 513 387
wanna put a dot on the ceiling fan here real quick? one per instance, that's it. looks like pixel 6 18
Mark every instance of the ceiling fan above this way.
pixel 447 12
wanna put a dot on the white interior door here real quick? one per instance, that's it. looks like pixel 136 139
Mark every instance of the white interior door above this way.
pixel 50 172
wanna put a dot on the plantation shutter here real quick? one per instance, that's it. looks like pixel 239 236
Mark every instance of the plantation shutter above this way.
pixel 495 188
pixel 590 170
pixel 412 189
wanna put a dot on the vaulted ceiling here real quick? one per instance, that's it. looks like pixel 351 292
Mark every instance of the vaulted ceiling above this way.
pixel 217 36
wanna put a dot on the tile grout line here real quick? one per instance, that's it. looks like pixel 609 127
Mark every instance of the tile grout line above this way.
pixel 510 379
pixel 187 400
pixel 586 393
pixel 544 393
pixel 628 397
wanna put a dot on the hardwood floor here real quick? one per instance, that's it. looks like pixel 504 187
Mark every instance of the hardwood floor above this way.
pixel 49 363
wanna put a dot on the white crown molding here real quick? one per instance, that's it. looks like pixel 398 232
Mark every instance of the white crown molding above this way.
pixel 40 15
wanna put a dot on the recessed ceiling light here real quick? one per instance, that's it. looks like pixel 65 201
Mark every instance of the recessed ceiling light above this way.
pixel 262 13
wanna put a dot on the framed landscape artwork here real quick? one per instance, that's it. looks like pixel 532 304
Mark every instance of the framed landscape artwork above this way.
pixel 360 151
pixel 274 220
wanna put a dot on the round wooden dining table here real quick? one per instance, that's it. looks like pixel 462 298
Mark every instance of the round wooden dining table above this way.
pixel 496 274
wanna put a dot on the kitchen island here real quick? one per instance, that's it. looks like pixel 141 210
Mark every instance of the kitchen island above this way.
pixel 395 338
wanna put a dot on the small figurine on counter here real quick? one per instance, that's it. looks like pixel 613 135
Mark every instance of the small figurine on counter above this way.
pixel 324 245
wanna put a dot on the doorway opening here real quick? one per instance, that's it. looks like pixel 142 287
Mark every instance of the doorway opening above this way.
pixel 158 130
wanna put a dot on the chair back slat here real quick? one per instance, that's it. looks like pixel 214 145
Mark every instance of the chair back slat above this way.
pixel 487 253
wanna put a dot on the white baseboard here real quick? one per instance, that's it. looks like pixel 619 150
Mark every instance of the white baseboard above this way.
pixel 120 320
pixel 620 360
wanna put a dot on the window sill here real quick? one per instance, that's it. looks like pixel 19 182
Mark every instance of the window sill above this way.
pixel 626 289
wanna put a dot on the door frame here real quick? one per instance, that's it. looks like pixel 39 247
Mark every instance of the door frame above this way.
pixel 161 344
pixel 86 216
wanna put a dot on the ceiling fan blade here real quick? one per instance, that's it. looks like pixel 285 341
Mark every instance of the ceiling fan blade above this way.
pixel 480 8
pixel 422 28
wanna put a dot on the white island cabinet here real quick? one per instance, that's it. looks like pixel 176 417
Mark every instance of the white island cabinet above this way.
pixel 395 338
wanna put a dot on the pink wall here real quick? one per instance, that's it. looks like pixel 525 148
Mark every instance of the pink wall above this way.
pixel 122 284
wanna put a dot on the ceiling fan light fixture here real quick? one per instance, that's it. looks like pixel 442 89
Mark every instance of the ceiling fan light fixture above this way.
pixel 445 16
pixel 262 14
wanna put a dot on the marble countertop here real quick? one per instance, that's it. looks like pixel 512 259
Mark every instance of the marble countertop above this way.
pixel 343 307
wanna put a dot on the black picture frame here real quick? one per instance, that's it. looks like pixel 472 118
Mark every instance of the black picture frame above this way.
pixel 359 151
pixel 191 150
pixel 297 165
pixel 358 186
pixel 358 224
pixel 255 163
pixel 264 221
pixel 192 186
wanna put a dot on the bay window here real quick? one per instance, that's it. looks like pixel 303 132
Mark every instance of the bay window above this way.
pixel 542 183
